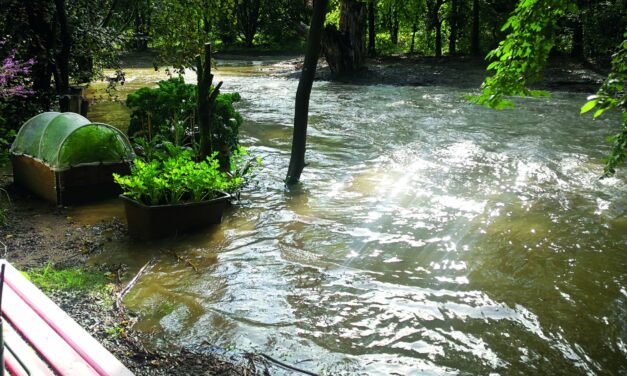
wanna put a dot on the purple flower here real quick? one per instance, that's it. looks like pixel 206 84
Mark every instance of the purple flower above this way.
pixel 14 76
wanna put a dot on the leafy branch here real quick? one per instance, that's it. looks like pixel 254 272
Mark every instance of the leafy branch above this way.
pixel 611 95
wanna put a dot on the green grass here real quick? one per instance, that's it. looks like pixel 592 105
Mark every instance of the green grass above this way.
pixel 48 278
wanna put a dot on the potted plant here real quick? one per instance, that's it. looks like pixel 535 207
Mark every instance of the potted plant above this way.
pixel 173 193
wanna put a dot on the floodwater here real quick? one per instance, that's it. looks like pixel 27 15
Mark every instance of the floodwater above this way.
pixel 429 236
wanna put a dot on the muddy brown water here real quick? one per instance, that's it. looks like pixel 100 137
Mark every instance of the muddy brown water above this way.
pixel 429 236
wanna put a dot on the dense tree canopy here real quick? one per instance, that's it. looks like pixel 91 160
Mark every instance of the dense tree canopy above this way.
pixel 71 42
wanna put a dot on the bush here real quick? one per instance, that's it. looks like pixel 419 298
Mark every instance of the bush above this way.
pixel 175 179
pixel 169 112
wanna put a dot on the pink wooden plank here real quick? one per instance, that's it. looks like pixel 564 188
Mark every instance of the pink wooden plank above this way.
pixel 100 361
pixel 24 352
pixel 52 348
pixel 12 366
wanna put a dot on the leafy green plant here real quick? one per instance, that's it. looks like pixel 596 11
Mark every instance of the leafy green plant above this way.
pixel 610 96
pixel 519 58
pixel 168 112
pixel 179 178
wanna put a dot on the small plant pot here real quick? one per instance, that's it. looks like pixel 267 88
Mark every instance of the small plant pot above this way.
pixel 158 221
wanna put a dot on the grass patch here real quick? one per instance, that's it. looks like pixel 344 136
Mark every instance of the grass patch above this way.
pixel 48 278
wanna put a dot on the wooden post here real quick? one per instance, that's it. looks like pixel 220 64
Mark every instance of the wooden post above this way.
pixel 206 98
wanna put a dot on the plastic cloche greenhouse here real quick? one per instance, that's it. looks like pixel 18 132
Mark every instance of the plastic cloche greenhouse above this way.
pixel 66 140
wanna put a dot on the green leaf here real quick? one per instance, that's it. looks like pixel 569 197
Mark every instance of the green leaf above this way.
pixel 588 106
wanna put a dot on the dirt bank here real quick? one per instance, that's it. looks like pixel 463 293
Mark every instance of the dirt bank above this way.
pixel 561 74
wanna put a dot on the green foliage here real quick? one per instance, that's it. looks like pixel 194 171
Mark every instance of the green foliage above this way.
pixel 169 112
pixel 525 51
pixel 4 201
pixel 157 111
pixel 6 138
pixel 48 278
pixel 179 29
pixel 520 58
pixel 116 330
pixel 175 179
pixel 611 96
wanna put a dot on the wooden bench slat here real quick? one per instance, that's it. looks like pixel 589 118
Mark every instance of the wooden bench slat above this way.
pixel 52 348
pixel 12 366
pixel 52 319
pixel 24 352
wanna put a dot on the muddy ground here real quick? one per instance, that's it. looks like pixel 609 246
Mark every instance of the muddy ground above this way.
pixel 37 232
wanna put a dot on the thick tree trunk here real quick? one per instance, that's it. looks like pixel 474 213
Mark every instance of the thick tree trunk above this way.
pixel 577 49
pixel 474 36
pixel 395 26
pixel 62 61
pixel 453 20
pixel 371 28
pixel 42 70
pixel 438 39
pixel 344 49
pixel 248 19
pixel 301 106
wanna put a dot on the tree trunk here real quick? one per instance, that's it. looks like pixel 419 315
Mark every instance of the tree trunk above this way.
pixel 474 36
pixel 344 49
pixel 205 98
pixel 438 39
pixel 577 50
pixel 395 26
pixel 453 20
pixel 41 72
pixel 247 12
pixel 371 28
pixel 301 106
pixel 414 29
pixel 62 61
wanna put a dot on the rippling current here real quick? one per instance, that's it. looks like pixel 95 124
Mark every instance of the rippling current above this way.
pixel 429 236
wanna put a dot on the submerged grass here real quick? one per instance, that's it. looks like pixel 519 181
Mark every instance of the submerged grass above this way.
pixel 48 278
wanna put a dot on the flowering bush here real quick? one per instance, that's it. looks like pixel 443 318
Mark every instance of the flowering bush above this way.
pixel 13 84
pixel 14 77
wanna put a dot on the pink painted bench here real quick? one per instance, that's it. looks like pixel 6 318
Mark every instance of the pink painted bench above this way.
pixel 41 339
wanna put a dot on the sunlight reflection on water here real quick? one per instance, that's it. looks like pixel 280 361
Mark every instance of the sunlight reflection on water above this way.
pixel 430 236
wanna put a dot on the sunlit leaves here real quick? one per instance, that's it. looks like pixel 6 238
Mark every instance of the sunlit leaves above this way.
pixel 611 96
pixel 519 59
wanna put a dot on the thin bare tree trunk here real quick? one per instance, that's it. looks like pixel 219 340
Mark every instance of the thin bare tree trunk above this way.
pixel 301 107
pixel 474 36
pixel 371 28
pixel 206 98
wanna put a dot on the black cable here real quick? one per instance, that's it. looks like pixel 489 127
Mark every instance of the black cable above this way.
pixel 285 365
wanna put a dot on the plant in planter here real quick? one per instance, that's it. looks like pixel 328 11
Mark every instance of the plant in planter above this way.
pixel 173 193
pixel 170 112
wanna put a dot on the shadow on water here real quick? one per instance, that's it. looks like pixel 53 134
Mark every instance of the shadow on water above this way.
pixel 429 236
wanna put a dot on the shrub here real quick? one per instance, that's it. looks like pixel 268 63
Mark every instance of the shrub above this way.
pixel 175 179
pixel 169 111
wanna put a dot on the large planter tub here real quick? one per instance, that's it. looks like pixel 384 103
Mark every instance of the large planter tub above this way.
pixel 75 185
pixel 66 159
pixel 158 221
